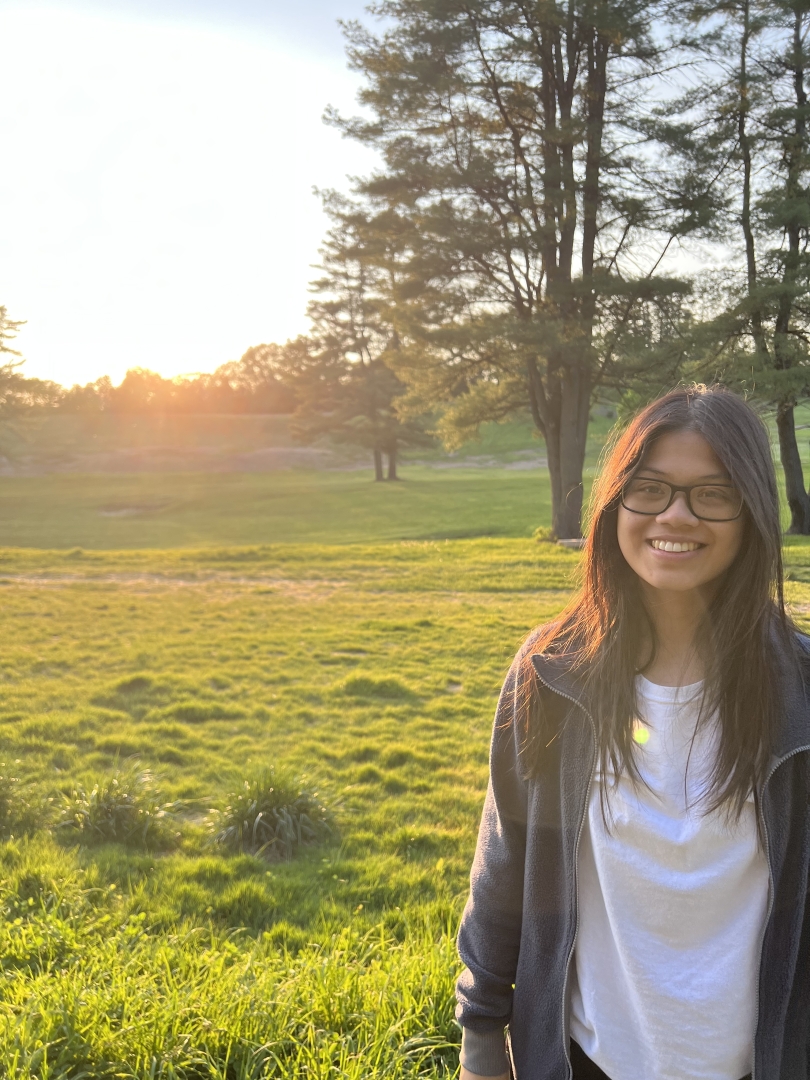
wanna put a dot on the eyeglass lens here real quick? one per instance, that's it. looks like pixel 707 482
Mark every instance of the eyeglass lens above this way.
pixel 712 502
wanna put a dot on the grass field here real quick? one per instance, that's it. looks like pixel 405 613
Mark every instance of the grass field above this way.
pixel 374 671
pixel 155 510
pixel 442 498
pixel 369 668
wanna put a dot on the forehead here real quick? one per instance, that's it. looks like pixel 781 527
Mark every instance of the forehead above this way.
pixel 682 456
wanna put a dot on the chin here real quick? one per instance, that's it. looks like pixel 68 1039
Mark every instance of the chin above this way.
pixel 677 583
pixel 672 581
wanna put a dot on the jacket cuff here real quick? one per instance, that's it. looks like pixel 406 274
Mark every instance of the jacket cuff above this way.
pixel 484 1052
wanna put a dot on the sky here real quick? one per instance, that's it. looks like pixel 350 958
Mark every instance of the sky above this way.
pixel 157 171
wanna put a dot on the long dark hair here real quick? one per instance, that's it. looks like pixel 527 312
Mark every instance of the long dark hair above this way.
pixel 607 631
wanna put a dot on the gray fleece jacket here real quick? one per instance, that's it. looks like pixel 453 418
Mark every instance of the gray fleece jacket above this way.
pixel 519 926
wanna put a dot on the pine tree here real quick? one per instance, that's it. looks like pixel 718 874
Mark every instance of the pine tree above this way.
pixel 531 228
pixel 340 373
pixel 746 124
pixel 9 328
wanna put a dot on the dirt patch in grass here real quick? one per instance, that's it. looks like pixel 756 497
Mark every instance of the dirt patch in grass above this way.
pixel 119 510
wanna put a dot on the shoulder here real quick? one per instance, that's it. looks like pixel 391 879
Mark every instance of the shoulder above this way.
pixel 801 656
pixel 530 646
pixel 539 648
pixel 537 695
pixel 542 640
pixel 797 656
pixel 518 692
pixel 531 643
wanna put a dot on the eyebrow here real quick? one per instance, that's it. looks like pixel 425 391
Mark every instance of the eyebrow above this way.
pixel 708 476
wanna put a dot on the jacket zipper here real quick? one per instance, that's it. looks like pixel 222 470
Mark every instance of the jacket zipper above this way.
pixel 565 1026
pixel 781 761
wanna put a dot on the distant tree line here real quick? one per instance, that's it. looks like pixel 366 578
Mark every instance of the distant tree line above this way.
pixel 578 201
pixel 249 385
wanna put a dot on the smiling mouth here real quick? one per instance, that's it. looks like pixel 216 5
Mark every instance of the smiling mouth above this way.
pixel 673 545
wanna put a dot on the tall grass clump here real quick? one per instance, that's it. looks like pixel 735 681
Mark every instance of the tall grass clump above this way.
pixel 21 810
pixel 272 815
pixel 125 808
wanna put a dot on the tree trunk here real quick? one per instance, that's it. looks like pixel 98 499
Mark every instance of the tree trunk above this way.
pixel 560 400
pixel 573 430
pixel 797 497
pixel 783 354
pixel 561 416
pixel 392 465
pixel 598 48
pixel 744 105
pixel 378 464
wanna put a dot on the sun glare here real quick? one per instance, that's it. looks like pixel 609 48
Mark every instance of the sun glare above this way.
pixel 157 190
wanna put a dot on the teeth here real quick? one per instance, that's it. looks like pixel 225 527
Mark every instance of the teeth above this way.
pixel 669 545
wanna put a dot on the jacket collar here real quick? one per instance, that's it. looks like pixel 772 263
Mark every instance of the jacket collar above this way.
pixel 557 671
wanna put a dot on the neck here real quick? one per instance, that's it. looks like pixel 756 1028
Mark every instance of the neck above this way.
pixel 676 618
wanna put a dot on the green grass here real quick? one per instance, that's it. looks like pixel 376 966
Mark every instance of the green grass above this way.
pixel 109 511
pixel 157 510
pixel 370 670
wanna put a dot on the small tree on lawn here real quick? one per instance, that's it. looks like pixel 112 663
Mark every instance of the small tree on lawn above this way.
pixel 340 373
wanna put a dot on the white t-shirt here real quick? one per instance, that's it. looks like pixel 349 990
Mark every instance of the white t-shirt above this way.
pixel 672 908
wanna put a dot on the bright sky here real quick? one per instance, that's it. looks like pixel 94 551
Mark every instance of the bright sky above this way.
pixel 158 164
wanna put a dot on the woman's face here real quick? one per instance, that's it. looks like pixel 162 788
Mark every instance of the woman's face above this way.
pixel 681 458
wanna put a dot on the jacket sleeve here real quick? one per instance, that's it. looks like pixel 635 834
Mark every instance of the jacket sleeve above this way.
pixel 489 935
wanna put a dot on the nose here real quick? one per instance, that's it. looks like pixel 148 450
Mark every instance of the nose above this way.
pixel 678 512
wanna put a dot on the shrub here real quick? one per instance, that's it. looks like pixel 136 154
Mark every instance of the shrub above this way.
pixel 271 815
pixel 544 535
pixel 126 808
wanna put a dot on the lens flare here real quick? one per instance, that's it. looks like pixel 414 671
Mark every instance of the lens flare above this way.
pixel 641 733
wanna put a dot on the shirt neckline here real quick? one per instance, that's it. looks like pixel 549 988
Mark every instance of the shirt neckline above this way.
pixel 667 694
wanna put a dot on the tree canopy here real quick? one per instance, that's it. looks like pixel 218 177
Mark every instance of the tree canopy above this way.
pixel 531 220
pixel 744 122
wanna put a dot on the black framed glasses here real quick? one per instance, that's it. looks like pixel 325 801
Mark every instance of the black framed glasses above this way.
pixel 709 502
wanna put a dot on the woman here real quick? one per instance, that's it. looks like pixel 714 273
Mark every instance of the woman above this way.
pixel 638 895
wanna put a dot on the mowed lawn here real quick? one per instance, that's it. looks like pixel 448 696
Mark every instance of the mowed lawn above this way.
pixel 451 498
pixel 370 669
pixel 157 510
